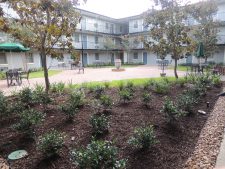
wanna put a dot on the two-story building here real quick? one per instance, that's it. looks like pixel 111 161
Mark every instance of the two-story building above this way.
pixel 99 38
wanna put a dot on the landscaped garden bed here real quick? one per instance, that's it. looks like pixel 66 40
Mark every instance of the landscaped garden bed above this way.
pixel 156 125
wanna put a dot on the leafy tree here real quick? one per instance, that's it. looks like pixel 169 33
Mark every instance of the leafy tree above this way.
pixel 129 43
pixel 207 28
pixel 45 25
pixel 168 32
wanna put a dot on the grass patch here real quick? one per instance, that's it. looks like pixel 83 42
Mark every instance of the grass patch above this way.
pixel 40 74
pixel 117 83
pixel 181 68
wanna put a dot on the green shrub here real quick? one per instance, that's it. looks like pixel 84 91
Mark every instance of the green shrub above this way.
pixel 106 102
pixel 130 86
pixel 98 155
pixel 98 91
pixel 143 138
pixel 50 143
pixel 146 98
pixel 2 75
pixel 181 82
pixel 26 96
pixel 106 84
pixel 75 101
pixel 100 124
pixel 149 85
pixel 161 87
pixel 216 80
pixel 186 102
pixel 121 85
pixel 166 80
pixel 3 105
pixel 40 96
pixel 58 87
pixel 77 98
pixel 171 112
pixel 28 120
pixel 69 110
pixel 16 107
pixel 125 95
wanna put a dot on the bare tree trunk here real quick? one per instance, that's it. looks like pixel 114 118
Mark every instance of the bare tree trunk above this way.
pixel 175 69
pixel 44 64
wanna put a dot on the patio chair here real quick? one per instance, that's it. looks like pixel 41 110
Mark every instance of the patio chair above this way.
pixel 12 75
pixel 25 75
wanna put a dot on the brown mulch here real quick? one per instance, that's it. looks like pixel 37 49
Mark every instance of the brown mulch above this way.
pixel 176 143
pixel 208 145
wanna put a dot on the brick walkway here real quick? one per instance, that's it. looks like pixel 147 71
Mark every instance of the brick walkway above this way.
pixel 90 75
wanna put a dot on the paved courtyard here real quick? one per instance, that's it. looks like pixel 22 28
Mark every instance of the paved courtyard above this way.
pixel 90 75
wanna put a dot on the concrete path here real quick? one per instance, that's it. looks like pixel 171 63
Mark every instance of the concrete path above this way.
pixel 90 75
pixel 220 163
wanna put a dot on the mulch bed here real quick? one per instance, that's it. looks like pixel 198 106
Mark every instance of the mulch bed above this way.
pixel 176 143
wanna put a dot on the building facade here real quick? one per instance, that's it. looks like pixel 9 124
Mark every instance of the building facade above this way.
pixel 101 39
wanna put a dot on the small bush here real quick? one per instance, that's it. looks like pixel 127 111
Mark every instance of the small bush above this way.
pixel 125 95
pixel 161 87
pixel 186 102
pixel 2 75
pixel 98 91
pixel 130 86
pixel 100 124
pixel 26 96
pixel 121 85
pixel 28 120
pixel 146 98
pixel 171 112
pixel 58 87
pixel 77 98
pixel 41 97
pixel 17 107
pixel 75 101
pixel 50 143
pixel 106 84
pixel 216 80
pixel 69 110
pixel 98 155
pixel 106 102
pixel 3 106
pixel 143 138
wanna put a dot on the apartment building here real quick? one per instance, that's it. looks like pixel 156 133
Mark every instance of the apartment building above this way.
pixel 99 38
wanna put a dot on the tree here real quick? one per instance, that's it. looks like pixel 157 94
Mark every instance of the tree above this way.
pixel 45 25
pixel 207 28
pixel 169 35
pixel 128 43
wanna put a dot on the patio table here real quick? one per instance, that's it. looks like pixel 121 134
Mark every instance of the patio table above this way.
pixel 13 75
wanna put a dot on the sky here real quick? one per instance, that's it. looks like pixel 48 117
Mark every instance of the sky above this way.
pixel 119 8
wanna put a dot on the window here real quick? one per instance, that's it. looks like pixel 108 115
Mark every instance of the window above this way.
pixel 121 29
pixel 135 55
pixel 3 59
pixel 96 56
pixel 96 25
pixel 135 24
pixel 106 26
pixel 96 40
pixel 111 28
pixel 30 58
pixel 77 38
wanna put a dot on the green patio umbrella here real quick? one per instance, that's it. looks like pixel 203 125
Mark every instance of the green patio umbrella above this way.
pixel 13 47
pixel 200 52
